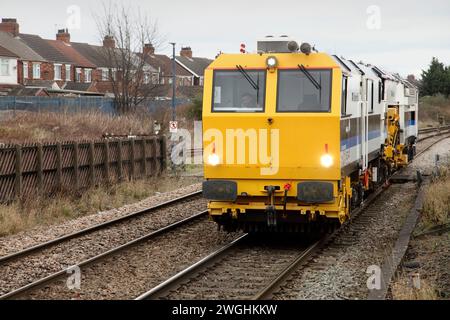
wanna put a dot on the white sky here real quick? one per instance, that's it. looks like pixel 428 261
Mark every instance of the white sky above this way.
pixel 410 33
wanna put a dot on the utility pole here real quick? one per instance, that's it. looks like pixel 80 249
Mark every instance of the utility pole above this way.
pixel 174 78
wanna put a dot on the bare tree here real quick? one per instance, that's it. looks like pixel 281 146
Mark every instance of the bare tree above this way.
pixel 125 32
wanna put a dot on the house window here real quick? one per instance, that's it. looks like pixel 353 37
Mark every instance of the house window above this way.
pixel 113 74
pixel 58 71
pixel 68 77
pixel 155 79
pixel 105 74
pixel 146 78
pixel 78 75
pixel 25 70
pixel 4 67
pixel 88 75
pixel 36 70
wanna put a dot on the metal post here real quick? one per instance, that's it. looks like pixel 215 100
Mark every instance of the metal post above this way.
pixel 174 78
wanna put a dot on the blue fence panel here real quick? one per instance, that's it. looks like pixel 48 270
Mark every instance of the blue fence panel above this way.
pixel 78 104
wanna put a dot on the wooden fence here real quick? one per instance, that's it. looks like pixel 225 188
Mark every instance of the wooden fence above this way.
pixel 46 168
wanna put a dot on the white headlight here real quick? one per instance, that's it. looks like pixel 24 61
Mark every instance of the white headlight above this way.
pixel 326 160
pixel 272 62
pixel 213 159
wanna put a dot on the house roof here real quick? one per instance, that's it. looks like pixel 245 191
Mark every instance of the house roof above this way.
pixel 48 84
pixel 77 86
pixel 194 65
pixel 18 47
pixel 44 49
pixel 91 53
pixel 6 53
pixel 164 63
pixel 69 51
pixel 28 91
pixel 98 55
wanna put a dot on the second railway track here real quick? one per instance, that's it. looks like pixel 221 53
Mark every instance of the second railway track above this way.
pixel 23 267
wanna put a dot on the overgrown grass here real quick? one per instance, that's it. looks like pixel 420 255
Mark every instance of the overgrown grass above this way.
pixel 436 205
pixel 403 289
pixel 50 126
pixel 43 211
pixel 432 106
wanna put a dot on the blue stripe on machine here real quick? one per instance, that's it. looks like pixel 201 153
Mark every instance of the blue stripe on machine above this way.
pixel 411 123
pixel 353 141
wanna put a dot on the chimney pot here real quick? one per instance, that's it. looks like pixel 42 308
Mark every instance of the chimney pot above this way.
pixel 149 49
pixel 186 52
pixel 109 42
pixel 63 35
pixel 10 25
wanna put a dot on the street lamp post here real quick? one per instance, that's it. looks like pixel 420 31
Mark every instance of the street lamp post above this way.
pixel 174 78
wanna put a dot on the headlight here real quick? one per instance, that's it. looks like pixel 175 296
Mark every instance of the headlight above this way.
pixel 271 62
pixel 326 161
pixel 213 159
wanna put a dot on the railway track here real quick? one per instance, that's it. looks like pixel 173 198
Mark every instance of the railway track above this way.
pixel 433 132
pixel 40 261
pixel 29 289
pixel 244 269
pixel 109 223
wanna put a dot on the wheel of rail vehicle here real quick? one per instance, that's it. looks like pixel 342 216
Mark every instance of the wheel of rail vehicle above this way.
pixel 357 194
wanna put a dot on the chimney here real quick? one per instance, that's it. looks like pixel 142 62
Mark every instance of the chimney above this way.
pixel 10 25
pixel 109 42
pixel 148 49
pixel 63 35
pixel 186 52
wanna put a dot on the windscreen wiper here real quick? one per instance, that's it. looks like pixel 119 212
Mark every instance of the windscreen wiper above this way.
pixel 310 77
pixel 248 78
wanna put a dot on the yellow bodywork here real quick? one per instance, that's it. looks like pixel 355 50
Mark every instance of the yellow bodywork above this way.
pixel 303 138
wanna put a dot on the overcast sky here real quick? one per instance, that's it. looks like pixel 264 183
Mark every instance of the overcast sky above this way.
pixel 401 36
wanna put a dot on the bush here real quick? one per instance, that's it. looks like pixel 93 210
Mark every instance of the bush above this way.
pixel 196 109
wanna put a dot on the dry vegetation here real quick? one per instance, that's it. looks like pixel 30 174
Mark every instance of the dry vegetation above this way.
pixel 48 126
pixel 432 106
pixel 436 206
pixel 20 216
pixel 428 251
pixel 403 289
pixel 24 127
pixel 21 127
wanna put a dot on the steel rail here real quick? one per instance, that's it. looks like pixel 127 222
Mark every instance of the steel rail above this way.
pixel 301 258
pixel 432 144
pixel 20 291
pixel 96 227
pixel 174 280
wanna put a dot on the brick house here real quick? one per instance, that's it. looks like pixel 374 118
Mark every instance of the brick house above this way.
pixel 194 65
pixel 106 70
pixel 78 75
pixel 29 62
pixel 57 64
pixel 163 64
pixel 75 67
pixel 8 67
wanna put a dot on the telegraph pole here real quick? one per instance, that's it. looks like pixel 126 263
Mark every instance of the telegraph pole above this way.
pixel 174 78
